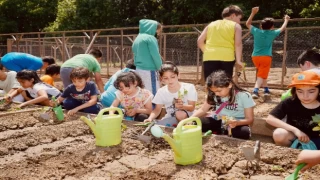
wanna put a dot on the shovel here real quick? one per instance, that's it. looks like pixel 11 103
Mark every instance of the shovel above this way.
pixel 294 175
pixel 143 137
pixel 207 134
pixel 45 115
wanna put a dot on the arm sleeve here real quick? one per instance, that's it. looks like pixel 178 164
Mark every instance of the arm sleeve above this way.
pixel 119 95
pixel 280 110
pixel 247 101
pixel 66 93
pixel 93 89
pixel 154 51
pixel 192 93
pixel 277 32
pixel 253 30
pixel 148 96
pixel 158 98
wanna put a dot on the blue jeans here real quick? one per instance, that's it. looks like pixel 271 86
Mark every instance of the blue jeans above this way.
pixel 70 103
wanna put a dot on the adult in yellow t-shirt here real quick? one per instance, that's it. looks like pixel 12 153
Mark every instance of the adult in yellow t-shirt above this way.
pixel 221 42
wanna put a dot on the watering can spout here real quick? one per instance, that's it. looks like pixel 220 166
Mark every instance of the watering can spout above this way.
pixel 173 144
pixel 90 124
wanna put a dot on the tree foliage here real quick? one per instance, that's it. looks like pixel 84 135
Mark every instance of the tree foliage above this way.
pixel 53 15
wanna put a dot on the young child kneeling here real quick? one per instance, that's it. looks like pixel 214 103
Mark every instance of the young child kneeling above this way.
pixel 234 107
pixel 132 96
pixel 33 90
pixel 81 95
pixel 299 109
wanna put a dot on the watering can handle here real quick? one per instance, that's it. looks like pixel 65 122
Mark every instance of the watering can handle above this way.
pixel 110 109
pixel 183 122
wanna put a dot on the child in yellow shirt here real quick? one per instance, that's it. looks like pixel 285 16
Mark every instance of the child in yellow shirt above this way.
pixel 52 73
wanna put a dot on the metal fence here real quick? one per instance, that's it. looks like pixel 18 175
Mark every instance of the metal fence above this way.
pixel 178 43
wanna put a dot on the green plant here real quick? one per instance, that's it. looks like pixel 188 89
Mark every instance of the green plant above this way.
pixel 316 119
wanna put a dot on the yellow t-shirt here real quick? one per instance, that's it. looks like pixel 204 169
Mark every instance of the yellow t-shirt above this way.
pixel 47 79
pixel 220 41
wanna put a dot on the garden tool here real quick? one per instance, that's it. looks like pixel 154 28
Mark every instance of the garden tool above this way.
pixel 146 124
pixel 5 106
pixel 207 134
pixel 186 142
pixel 45 115
pixel 294 175
pixel 252 153
pixel 143 137
pixel 106 128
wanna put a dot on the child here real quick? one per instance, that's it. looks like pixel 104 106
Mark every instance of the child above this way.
pixel 147 57
pixel 109 94
pixel 9 83
pixel 81 95
pixel 16 61
pixel 299 111
pixel 33 90
pixel 47 61
pixel 89 61
pixel 262 49
pixel 178 98
pixel 234 107
pixel 221 42
pixel 52 73
pixel 309 60
pixel 309 157
pixel 135 100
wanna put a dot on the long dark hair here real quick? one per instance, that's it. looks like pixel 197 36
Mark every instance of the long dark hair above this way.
pixel 222 80
pixel 28 75
pixel 128 77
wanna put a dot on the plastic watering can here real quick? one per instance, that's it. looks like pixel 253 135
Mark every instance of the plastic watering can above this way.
pixel 106 128
pixel 186 142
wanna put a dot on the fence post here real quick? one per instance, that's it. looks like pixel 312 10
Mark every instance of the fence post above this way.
pixel 39 42
pixel 121 62
pixel 284 57
pixel 63 45
pixel 108 55
pixel 198 62
pixel 165 47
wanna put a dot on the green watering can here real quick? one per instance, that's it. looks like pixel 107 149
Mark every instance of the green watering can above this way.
pixel 106 128
pixel 186 142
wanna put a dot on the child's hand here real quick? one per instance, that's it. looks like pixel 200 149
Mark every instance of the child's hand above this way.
pixel 8 98
pixel 147 120
pixel 22 105
pixel 286 17
pixel 178 104
pixel 255 10
pixel 72 112
pixel 310 157
pixel 240 64
pixel 301 136
pixel 232 123
pixel 131 112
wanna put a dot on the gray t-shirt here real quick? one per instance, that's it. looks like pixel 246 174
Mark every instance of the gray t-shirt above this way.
pixel 10 82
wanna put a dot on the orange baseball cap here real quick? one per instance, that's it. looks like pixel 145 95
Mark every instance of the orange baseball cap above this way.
pixel 305 78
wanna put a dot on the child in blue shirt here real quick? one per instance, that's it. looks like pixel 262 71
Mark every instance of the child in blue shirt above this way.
pixel 262 49
pixel 15 61
pixel 81 95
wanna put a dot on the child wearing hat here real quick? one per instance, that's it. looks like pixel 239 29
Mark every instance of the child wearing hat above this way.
pixel 299 109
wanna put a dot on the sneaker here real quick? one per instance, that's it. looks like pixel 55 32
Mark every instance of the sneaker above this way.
pixel 255 95
pixel 266 94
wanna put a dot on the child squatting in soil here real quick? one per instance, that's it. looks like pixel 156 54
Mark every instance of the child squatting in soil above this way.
pixel 221 42
pixel 233 107
pixel 299 109
pixel 109 94
pixel 52 73
pixel 81 95
pixel 9 83
pixel 178 98
pixel 132 96
pixel 262 49
pixel 33 90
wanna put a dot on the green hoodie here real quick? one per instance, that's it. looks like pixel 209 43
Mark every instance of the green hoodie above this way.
pixel 145 47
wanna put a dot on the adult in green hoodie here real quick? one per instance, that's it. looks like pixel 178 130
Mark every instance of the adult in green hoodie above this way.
pixel 147 57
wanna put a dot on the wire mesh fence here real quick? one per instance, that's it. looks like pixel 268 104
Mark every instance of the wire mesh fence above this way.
pixel 178 43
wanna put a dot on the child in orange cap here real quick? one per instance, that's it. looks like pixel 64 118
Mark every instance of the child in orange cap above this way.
pixel 299 109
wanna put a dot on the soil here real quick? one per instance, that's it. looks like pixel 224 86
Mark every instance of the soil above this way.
pixel 33 149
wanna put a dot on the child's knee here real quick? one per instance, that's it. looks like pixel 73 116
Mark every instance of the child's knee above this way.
pixel 181 115
pixel 282 137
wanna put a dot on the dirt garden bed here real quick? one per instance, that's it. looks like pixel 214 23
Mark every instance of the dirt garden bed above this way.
pixel 34 149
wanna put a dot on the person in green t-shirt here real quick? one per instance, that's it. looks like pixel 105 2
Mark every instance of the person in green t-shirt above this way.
pixel 89 61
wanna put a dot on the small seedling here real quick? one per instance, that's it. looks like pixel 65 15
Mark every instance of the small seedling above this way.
pixel 277 168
